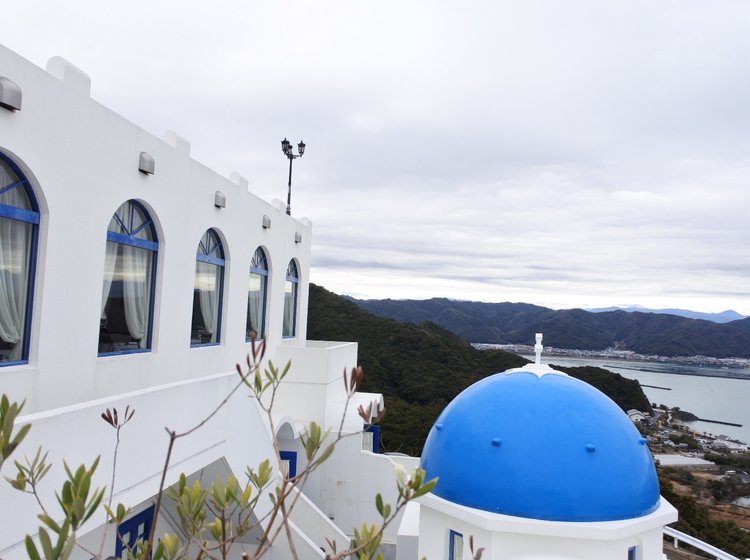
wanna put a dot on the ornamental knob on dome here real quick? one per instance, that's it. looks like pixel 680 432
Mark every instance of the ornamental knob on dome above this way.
pixel 547 447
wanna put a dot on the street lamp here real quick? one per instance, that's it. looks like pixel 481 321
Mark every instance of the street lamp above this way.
pixel 286 147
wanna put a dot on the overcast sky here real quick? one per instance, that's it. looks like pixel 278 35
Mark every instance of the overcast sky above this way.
pixel 558 153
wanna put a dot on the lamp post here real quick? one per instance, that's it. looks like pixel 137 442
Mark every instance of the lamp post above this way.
pixel 286 147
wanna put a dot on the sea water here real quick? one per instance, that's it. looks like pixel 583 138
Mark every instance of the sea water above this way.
pixel 703 390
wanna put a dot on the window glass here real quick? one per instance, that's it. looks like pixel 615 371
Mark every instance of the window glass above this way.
pixel 209 275
pixel 290 301
pixel 132 531
pixel 256 296
pixel 455 546
pixel 128 287
pixel 19 218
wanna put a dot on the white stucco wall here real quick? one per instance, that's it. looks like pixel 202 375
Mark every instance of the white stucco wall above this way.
pixel 83 162
pixel 513 538
pixel 346 485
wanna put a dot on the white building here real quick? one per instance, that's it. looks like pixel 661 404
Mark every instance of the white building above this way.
pixel 535 464
pixel 132 275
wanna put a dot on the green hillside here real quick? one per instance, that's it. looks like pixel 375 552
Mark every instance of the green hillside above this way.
pixel 516 323
pixel 419 368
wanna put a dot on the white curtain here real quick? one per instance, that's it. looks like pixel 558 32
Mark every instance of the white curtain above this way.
pixel 136 287
pixel 290 295
pixel 255 304
pixel 207 283
pixel 15 244
pixel 110 260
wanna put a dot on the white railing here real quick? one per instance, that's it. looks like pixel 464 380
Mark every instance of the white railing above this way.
pixel 680 537
pixel 315 524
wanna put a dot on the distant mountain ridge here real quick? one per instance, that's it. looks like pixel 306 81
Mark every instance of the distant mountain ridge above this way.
pixel 516 323
pixel 723 317
pixel 421 368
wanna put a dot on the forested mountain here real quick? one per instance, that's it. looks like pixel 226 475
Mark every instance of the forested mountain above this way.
pixel 516 323
pixel 722 317
pixel 419 368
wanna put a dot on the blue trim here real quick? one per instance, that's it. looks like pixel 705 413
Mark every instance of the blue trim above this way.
pixel 119 221
pixel 132 241
pixel 633 553
pixel 140 227
pixel 451 542
pixel 294 317
pixel 213 245
pixel 375 429
pixel 292 275
pixel 32 217
pixel 152 301
pixel 33 249
pixel 17 170
pixel 147 244
pixel 290 456
pixel 292 272
pixel 221 307
pixel 130 526
pixel 12 186
pixel 205 345
pixel 14 363
pixel 259 266
pixel 203 255
pixel 294 311
pixel 20 214
pixel 259 260
pixel 264 293
pixel 124 352
pixel 128 229
pixel 210 260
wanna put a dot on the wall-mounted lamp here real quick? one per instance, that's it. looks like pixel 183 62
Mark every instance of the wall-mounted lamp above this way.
pixel 220 200
pixel 10 95
pixel 146 163
pixel 297 237
pixel 266 222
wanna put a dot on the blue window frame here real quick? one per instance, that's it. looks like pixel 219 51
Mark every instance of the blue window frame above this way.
pixel 127 306
pixel 289 328
pixel 371 438
pixel 207 294
pixel 289 461
pixel 19 225
pixel 455 545
pixel 133 530
pixel 257 291
pixel 633 553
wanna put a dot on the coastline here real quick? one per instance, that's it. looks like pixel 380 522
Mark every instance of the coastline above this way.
pixel 722 365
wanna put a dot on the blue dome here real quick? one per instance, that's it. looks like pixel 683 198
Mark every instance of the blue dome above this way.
pixel 545 447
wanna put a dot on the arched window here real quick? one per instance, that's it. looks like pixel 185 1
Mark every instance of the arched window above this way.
pixel 19 220
pixel 129 281
pixel 257 289
pixel 290 301
pixel 209 280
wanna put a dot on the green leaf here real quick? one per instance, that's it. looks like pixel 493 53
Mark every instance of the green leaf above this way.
pixel 425 488
pixel 49 522
pixel 67 548
pixel 46 543
pixel 31 548
pixel 286 369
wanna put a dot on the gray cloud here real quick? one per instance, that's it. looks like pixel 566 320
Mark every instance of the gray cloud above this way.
pixel 566 154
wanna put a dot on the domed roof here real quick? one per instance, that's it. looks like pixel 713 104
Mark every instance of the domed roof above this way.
pixel 539 444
